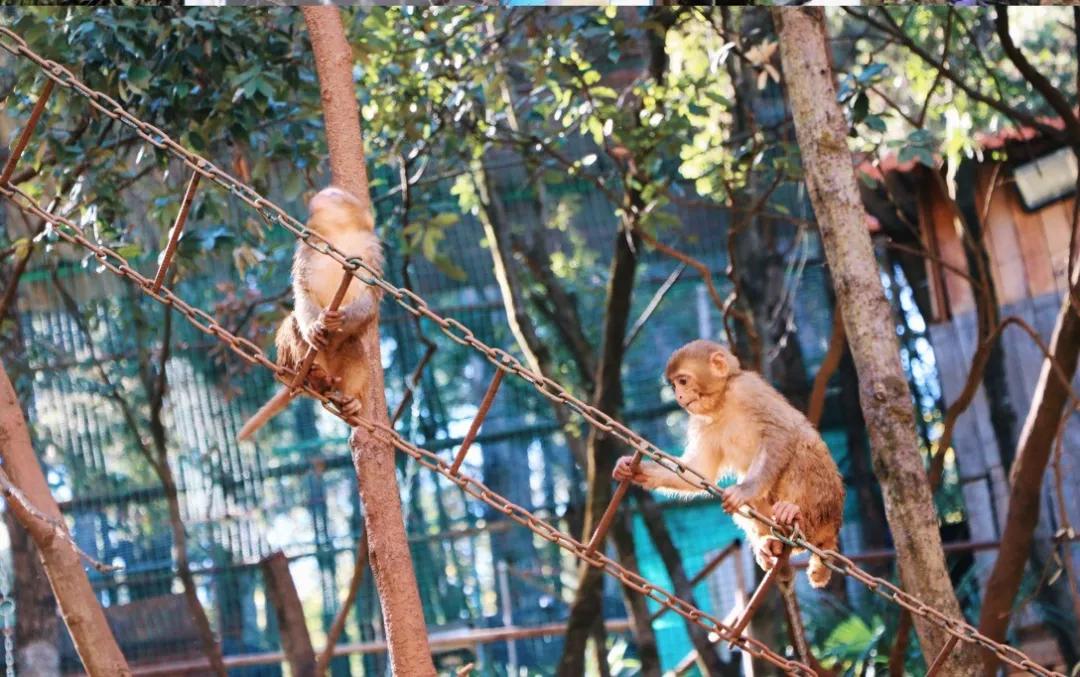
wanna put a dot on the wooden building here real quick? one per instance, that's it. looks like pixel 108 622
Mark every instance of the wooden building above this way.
pixel 1018 195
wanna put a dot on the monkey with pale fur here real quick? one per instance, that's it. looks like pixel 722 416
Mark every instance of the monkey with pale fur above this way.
pixel 739 424
pixel 340 219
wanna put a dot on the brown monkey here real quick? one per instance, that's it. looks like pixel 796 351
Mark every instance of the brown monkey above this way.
pixel 739 424
pixel 339 218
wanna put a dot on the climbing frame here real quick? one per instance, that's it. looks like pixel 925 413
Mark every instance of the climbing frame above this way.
pixel 456 331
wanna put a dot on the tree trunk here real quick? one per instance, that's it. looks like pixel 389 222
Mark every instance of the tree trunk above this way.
pixel 821 130
pixel 602 452
pixel 79 607
pixel 1029 467
pixel 391 562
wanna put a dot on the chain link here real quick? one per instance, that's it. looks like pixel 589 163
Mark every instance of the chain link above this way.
pixel 461 334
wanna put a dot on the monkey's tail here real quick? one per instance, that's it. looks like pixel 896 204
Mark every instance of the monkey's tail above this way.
pixel 272 408
pixel 817 572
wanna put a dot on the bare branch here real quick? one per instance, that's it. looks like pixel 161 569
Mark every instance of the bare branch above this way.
pixel 59 529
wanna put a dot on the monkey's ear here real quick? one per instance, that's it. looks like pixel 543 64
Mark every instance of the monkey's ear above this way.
pixel 719 364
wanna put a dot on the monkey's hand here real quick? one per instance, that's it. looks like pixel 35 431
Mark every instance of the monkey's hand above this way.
pixel 625 471
pixel 737 496
pixel 318 335
pixel 350 408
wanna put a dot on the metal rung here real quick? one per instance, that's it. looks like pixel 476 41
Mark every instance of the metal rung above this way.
pixel 759 595
pixel 174 233
pixel 609 514
pixel 309 357
pixel 478 420
pixel 24 138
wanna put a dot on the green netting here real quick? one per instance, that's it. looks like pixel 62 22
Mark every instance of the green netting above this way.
pixel 294 489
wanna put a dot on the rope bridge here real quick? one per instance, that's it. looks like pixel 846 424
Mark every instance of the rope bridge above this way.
pixel 504 363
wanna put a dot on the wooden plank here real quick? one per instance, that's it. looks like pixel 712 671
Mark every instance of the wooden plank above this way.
pixel 980 431
pixel 1057 223
pixel 281 593
pixel 940 310
pixel 999 230
pixel 952 372
pixel 951 250
pixel 1031 234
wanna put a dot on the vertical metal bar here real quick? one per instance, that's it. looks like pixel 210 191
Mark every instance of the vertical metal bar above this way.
pixel 759 595
pixel 174 233
pixel 474 428
pixel 24 138
pixel 609 515
pixel 309 358
pixel 939 661
pixel 507 615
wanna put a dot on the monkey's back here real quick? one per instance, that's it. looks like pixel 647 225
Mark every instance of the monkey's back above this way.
pixel 811 479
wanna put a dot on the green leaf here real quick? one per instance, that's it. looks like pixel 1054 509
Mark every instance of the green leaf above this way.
pixel 860 108
pixel 876 123
pixel 871 72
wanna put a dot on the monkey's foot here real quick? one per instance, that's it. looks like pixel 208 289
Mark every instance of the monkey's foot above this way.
pixel 736 497
pixel 767 551
pixel 322 381
pixel 785 513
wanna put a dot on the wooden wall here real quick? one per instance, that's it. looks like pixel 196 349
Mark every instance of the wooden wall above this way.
pixel 1029 252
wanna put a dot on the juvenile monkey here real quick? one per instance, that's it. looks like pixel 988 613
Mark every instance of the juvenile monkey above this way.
pixel 339 218
pixel 739 424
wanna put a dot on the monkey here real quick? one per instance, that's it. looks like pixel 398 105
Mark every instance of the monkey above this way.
pixel 340 219
pixel 739 424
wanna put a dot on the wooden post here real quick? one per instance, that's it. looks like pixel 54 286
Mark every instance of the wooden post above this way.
pixel 281 592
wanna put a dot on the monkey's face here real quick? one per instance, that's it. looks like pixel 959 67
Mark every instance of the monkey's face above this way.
pixel 699 377
pixel 692 392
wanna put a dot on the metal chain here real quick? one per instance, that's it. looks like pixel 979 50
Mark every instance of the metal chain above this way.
pixel 455 330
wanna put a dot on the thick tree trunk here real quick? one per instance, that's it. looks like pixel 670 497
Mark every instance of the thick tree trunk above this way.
pixel 79 607
pixel 821 130
pixel 391 562
pixel 1029 467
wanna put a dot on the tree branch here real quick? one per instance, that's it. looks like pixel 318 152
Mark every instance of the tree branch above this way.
pixel 1037 80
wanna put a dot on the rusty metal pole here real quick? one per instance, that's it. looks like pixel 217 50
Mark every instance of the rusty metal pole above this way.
pixel 939 661
pixel 24 138
pixel 478 420
pixel 759 595
pixel 309 357
pixel 174 233
pixel 613 507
